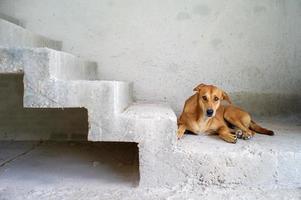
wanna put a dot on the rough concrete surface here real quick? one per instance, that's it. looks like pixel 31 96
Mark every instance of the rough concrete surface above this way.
pixel 93 192
pixel 247 47
pixel 12 35
pixel 111 117
pixel 47 63
pixel 263 161
pixel 93 171
pixel 45 84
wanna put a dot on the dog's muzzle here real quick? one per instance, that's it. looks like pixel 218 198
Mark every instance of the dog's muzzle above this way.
pixel 209 112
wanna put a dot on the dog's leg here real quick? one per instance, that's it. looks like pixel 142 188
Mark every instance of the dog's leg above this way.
pixel 181 131
pixel 226 135
pixel 240 119
pixel 234 130
pixel 241 122
pixel 246 132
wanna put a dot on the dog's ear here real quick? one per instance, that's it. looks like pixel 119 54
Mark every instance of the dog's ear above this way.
pixel 226 97
pixel 197 88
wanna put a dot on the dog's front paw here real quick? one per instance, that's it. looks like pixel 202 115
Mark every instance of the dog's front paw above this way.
pixel 231 138
pixel 234 140
pixel 179 135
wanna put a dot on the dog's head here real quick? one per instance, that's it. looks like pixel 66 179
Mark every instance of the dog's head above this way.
pixel 209 98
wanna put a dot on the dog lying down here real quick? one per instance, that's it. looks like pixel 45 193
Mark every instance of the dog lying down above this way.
pixel 203 112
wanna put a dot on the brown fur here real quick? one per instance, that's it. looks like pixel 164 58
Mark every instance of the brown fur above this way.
pixel 195 119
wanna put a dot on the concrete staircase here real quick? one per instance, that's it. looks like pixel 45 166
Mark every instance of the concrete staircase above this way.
pixel 55 79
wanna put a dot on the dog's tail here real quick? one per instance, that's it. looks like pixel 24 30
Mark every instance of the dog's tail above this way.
pixel 255 127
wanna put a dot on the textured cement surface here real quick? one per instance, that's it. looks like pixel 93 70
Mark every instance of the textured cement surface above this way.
pixel 247 47
pixel 111 117
pixel 47 63
pixel 263 161
pixel 264 167
pixel 54 79
pixel 12 35
pixel 64 192
pixel 60 170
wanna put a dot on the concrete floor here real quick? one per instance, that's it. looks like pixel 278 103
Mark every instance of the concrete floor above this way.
pixel 29 165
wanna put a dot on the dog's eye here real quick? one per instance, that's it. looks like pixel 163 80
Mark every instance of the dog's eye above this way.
pixel 216 98
pixel 205 98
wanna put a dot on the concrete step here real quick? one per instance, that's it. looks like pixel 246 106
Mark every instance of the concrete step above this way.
pixel 12 35
pixel 263 161
pixel 154 121
pixel 54 79
pixel 153 126
pixel 206 161
pixel 46 63
pixel 103 100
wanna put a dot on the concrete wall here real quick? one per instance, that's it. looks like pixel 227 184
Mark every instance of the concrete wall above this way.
pixel 18 123
pixel 250 48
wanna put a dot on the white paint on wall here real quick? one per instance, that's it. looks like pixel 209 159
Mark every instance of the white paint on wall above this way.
pixel 166 47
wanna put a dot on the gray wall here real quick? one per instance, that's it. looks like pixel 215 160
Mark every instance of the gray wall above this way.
pixel 250 48
pixel 18 123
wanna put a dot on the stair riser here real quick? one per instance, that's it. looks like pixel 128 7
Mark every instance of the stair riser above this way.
pixel 65 66
pixel 238 169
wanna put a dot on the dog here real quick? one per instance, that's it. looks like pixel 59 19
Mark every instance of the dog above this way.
pixel 204 112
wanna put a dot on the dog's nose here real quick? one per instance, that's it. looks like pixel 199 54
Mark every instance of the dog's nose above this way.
pixel 209 112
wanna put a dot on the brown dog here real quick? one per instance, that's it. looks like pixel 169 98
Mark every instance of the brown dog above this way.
pixel 203 112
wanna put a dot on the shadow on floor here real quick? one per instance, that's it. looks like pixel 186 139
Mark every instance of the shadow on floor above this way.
pixel 68 163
